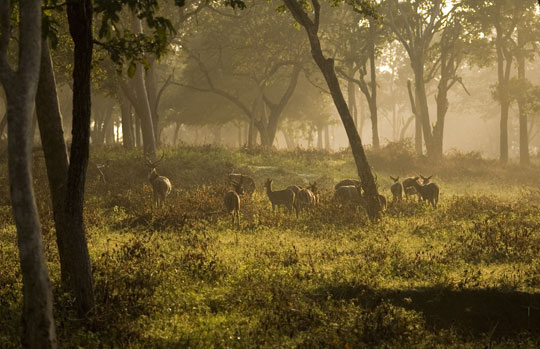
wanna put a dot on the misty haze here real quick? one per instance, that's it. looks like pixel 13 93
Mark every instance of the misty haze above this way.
pixel 276 174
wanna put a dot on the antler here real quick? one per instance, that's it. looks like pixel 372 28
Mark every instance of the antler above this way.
pixel 153 164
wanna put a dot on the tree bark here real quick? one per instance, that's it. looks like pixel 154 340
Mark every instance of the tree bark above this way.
pixel 504 63
pixel 326 65
pixel 20 87
pixel 54 149
pixel 80 271
pixel 151 89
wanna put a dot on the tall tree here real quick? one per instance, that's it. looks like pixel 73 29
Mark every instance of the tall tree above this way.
pixel 79 269
pixel 326 65
pixel 20 86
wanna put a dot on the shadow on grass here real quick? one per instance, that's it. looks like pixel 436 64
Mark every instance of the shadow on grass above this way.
pixel 472 313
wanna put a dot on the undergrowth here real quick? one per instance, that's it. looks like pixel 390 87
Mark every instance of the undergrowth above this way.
pixel 466 274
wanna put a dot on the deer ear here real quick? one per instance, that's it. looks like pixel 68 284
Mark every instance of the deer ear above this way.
pixel 429 177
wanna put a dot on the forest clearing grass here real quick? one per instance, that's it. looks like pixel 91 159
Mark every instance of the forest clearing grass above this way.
pixel 466 274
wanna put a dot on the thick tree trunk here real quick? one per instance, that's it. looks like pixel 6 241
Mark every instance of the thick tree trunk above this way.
pixel 127 123
pixel 177 133
pixel 326 66
pixel 80 271
pixel 54 148
pixel 504 133
pixel 422 108
pixel 438 130
pixel 20 87
pixel 138 140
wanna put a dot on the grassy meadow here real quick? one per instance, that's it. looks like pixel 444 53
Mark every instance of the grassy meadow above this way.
pixel 466 274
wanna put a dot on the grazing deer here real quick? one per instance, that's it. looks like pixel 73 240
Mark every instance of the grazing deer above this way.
pixel 347 194
pixel 248 182
pixel 428 191
pixel 409 187
pixel 305 199
pixel 232 201
pixel 284 197
pixel 396 189
pixel 161 186
pixel 348 182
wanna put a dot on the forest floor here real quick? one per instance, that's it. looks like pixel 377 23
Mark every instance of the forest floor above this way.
pixel 466 274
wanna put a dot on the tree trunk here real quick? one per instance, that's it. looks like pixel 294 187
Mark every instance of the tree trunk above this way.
pixel 176 133
pixel 523 128
pixel 151 89
pixel 422 108
pixel 127 123
pixel 55 151
pixel 326 66
pixel 20 87
pixel 138 140
pixel 319 137
pixel 373 83
pixel 417 122
pixel 503 78
pixel 80 271
pixel 327 138
pixel 141 101
pixel 351 95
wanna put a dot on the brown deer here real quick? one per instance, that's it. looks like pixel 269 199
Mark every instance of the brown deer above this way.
pixel 396 189
pixel 295 188
pixel 161 185
pixel 348 182
pixel 232 201
pixel 315 190
pixel 278 198
pixel 409 187
pixel 305 199
pixel 428 191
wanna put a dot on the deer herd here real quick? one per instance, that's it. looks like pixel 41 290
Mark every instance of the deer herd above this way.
pixel 297 198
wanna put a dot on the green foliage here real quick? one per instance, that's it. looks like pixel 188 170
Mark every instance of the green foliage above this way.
pixel 179 276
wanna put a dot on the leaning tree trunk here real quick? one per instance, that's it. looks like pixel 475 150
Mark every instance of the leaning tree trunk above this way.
pixel 55 151
pixel 20 87
pixel 326 65
pixel 80 271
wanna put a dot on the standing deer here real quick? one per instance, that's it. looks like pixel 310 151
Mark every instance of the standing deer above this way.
pixel 232 201
pixel 428 191
pixel 284 197
pixel 294 188
pixel 396 189
pixel 161 185
pixel 409 187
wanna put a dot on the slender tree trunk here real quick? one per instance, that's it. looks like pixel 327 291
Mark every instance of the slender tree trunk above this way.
pixel 351 95
pixel 327 138
pixel 55 151
pixel 151 89
pixel 373 83
pixel 80 271
pixel 127 123
pixel 503 77
pixel 523 128
pixel 20 87
pixel 319 137
pixel 176 133
pixel 138 140
pixel 417 121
